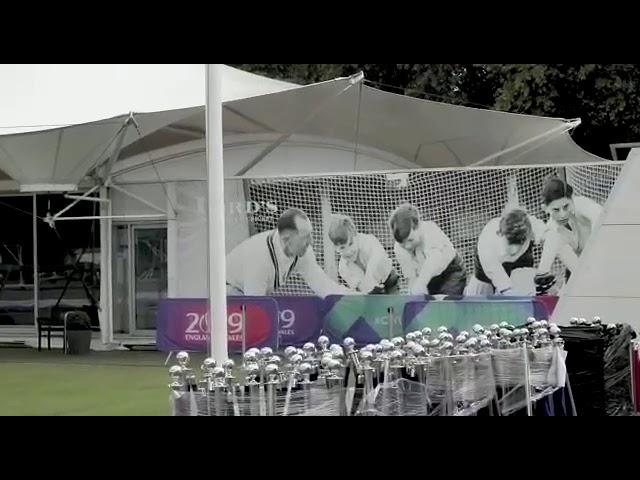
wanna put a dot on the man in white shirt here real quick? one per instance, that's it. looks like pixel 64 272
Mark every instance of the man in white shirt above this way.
pixel 364 264
pixel 572 219
pixel 426 255
pixel 264 262
pixel 506 244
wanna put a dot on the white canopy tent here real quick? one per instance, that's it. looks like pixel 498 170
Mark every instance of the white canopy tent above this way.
pixel 57 122
pixel 64 127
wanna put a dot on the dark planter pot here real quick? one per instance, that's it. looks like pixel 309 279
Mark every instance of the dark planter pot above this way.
pixel 78 342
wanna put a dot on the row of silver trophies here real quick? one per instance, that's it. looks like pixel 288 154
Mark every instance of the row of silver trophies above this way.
pixel 269 381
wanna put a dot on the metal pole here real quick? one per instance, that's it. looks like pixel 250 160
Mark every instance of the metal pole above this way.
pixel 527 381
pixel 216 218
pixel 243 310
pixel 36 284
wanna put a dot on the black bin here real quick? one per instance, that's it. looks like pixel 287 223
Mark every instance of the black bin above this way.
pixel 78 333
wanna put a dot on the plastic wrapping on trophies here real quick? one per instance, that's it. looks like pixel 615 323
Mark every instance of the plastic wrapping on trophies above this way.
pixel 617 370
pixel 511 379
pixel 635 376
pixel 498 371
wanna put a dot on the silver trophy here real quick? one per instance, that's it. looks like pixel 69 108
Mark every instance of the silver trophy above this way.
pixel 273 380
pixel 177 379
pixel 323 343
pixel 368 371
pixel 478 329
pixel 219 391
pixel 554 330
pixel 290 351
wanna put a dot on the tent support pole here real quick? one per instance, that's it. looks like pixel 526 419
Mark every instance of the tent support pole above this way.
pixel 550 133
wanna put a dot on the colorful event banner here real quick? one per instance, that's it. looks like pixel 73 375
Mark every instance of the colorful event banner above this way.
pixel 281 321
pixel 368 319
pixel 462 314
pixel 300 319
pixel 182 323
pixel 365 318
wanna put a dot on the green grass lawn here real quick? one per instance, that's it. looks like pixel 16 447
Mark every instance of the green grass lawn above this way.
pixel 101 383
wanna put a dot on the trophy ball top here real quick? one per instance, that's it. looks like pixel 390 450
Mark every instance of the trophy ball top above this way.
pixel 275 359
pixel 208 363
pixel 250 356
pixel 418 349
pixel 348 342
pixel 183 358
pixel 324 361
pixel 305 368
pixel 334 364
pixel 446 346
pixel 366 355
pixel 289 351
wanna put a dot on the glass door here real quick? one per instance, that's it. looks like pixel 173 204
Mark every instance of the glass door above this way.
pixel 149 275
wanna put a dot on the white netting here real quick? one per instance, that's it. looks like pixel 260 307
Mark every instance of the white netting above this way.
pixel 461 202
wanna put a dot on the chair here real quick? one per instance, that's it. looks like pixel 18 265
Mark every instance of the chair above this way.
pixel 54 324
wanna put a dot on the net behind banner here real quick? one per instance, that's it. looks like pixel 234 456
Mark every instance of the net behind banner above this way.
pixel 461 202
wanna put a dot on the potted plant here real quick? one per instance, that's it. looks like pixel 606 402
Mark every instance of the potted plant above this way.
pixel 78 333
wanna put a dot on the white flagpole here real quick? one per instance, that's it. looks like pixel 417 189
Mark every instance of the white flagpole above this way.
pixel 215 208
